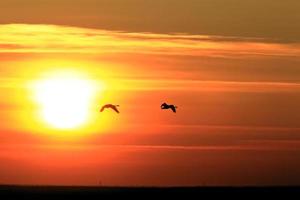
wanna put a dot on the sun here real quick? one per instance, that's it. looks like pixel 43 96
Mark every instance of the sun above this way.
pixel 64 100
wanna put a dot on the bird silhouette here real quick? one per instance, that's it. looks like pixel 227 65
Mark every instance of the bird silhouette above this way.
pixel 114 107
pixel 168 106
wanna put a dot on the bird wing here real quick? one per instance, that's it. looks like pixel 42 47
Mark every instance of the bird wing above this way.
pixel 164 106
pixel 173 109
pixel 103 107
pixel 115 109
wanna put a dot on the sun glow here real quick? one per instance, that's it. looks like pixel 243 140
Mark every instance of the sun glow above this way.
pixel 65 101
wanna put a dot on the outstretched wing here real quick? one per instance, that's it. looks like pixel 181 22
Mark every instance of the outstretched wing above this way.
pixel 115 109
pixel 164 106
pixel 173 109
pixel 103 107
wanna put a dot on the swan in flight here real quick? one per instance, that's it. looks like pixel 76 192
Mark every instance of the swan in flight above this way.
pixel 168 106
pixel 114 107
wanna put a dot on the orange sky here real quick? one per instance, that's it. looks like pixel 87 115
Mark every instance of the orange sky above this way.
pixel 237 94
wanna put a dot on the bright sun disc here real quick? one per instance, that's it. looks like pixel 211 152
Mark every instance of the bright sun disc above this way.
pixel 65 101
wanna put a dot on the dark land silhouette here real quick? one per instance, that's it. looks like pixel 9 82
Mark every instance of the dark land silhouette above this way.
pixel 94 192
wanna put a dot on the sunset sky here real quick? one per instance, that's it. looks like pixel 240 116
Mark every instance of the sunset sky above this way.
pixel 232 67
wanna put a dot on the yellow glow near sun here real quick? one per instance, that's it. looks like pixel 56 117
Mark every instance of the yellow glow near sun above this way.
pixel 65 100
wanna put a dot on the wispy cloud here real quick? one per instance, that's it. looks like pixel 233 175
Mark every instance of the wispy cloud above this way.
pixel 199 85
pixel 52 38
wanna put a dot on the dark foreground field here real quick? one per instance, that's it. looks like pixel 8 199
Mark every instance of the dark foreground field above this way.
pixel 70 192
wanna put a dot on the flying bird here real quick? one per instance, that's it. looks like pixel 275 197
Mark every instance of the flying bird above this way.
pixel 168 106
pixel 114 107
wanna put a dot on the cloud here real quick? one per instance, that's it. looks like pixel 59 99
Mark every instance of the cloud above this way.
pixel 205 86
pixel 20 38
